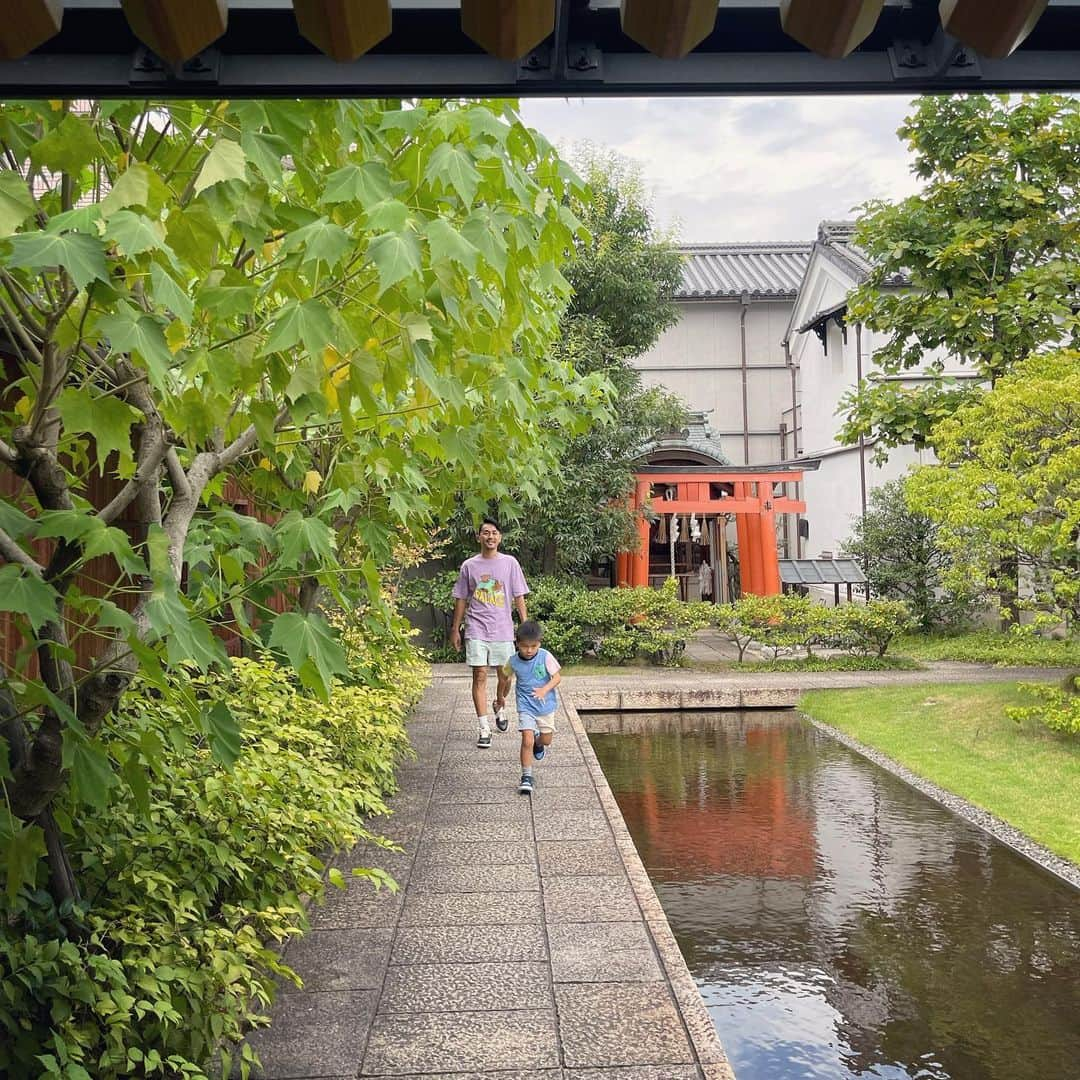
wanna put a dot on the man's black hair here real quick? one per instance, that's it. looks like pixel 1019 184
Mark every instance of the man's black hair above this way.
pixel 530 631
pixel 489 521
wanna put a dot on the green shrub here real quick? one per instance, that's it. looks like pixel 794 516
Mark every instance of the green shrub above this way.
pixel 1059 709
pixel 192 881
pixel 779 622
pixel 868 629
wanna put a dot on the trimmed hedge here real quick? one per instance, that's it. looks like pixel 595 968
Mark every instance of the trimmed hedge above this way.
pixel 192 882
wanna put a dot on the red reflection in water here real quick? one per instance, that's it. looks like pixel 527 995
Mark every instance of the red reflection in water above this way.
pixel 756 824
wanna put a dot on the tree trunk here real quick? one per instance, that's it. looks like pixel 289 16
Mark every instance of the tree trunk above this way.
pixel 62 883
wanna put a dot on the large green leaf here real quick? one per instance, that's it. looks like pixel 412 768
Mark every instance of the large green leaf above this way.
pixel 13 521
pixel 138 186
pixel 300 536
pixel 366 184
pixel 16 202
pixel 171 295
pixel 446 242
pixel 308 323
pixel 134 233
pixel 313 651
pixel 265 153
pixel 95 537
pixel 107 418
pixel 396 256
pixel 82 256
pixel 129 331
pixel 70 145
pixel 91 772
pixel 22 846
pixel 321 240
pixel 452 166
pixel 224 162
pixel 223 732
pixel 24 593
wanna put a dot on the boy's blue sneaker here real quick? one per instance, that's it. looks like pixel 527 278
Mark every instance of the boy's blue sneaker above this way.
pixel 539 750
pixel 502 722
pixel 526 785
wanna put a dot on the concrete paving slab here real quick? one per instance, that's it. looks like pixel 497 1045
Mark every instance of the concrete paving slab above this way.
pixel 450 988
pixel 480 1041
pixel 315 1035
pixel 465 909
pixel 607 898
pixel 471 945
pixel 357 906
pixel 553 823
pixel 565 858
pixel 602 952
pixel 617 1024
pixel 475 853
pixel 339 959
pixel 640 1072
pixel 443 878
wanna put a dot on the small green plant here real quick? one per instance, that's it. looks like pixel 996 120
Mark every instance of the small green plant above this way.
pixel 1059 707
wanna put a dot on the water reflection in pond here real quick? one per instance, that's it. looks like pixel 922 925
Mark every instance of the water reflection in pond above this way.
pixel 839 923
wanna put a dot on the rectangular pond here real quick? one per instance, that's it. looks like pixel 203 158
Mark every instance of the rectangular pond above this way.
pixel 838 922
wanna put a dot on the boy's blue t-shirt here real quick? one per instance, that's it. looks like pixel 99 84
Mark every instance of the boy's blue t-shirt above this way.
pixel 529 674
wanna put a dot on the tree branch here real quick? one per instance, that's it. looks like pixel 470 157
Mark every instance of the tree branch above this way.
pixel 13 553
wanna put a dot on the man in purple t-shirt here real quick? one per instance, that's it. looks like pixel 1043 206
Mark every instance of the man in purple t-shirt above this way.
pixel 486 587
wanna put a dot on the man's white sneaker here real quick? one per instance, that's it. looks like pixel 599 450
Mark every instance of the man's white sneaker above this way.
pixel 483 737
pixel 502 722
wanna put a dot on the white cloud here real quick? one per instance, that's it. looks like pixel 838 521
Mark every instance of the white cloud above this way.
pixel 744 168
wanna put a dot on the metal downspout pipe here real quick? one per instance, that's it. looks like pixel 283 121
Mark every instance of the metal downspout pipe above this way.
pixel 744 302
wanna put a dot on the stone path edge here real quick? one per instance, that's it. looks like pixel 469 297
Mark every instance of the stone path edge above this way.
pixel 698 1023
pixel 982 819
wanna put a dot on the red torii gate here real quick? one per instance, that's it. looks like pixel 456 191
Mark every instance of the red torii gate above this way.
pixel 748 494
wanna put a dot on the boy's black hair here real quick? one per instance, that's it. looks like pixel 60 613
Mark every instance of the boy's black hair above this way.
pixel 529 631
pixel 489 521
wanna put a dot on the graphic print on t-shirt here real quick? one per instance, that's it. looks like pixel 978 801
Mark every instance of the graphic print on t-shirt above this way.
pixel 489 591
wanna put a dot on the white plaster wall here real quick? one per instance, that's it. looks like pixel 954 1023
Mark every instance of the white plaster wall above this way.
pixel 700 359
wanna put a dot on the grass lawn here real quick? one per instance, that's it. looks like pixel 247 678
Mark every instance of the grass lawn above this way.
pixel 959 738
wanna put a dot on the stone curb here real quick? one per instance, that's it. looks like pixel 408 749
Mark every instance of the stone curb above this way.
pixel 706 1045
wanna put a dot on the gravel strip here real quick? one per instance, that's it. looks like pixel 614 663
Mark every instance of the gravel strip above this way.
pixel 1020 843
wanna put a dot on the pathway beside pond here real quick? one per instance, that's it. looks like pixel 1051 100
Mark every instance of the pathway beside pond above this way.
pixel 525 941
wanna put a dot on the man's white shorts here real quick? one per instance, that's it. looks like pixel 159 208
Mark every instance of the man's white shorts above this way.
pixel 487 653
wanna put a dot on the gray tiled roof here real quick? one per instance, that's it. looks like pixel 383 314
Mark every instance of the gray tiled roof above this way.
pixel 721 271
pixel 837 236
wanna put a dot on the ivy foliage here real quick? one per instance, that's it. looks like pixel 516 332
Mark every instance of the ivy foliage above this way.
pixel 337 312
pixel 987 252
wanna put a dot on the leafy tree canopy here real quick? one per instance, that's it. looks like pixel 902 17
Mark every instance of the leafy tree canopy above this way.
pixel 623 273
pixel 338 312
pixel 899 549
pixel 990 248
pixel 1009 481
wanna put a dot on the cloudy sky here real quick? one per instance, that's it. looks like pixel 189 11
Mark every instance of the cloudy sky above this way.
pixel 744 168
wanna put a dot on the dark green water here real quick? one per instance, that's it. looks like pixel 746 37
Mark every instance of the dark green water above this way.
pixel 839 923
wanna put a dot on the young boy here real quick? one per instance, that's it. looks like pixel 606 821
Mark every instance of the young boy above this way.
pixel 536 674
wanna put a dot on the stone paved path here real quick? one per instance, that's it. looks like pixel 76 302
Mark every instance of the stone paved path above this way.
pixel 525 942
